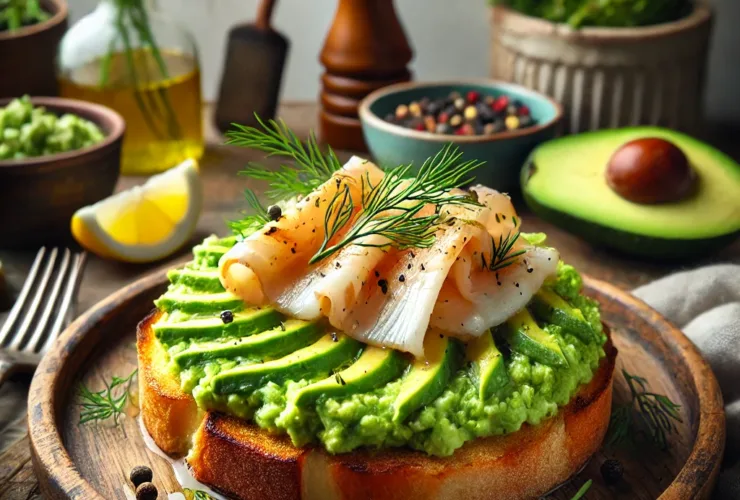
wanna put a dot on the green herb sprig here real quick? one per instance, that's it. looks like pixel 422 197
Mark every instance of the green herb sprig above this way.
pixel 15 14
pixel 614 13
pixel 250 222
pixel 110 402
pixel 500 256
pixel 646 413
pixel 582 491
pixel 312 166
pixel 132 19
pixel 391 208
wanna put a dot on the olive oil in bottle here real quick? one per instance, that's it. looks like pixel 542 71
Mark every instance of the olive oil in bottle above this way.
pixel 162 109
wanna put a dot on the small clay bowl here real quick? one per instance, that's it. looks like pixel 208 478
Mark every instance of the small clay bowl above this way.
pixel 504 153
pixel 28 54
pixel 39 195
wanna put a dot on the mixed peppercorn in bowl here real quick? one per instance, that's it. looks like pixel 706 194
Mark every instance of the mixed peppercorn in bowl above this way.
pixel 499 123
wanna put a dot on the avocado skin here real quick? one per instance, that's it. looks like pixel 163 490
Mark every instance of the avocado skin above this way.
pixel 199 280
pixel 629 243
pixel 200 305
pixel 626 242
pixel 561 317
pixel 525 337
pixel 487 370
pixel 451 362
pixel 170 334
pixel 392 367
pixel 264 345
pixel 246 380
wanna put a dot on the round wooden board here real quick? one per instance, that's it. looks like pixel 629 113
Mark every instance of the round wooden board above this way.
pixel 93 460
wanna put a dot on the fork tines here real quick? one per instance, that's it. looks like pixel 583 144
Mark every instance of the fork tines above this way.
pixel 45 302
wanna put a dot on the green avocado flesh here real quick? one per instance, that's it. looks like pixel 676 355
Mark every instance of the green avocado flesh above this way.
pixel 564 182
pixel 487 367
pixel 305 380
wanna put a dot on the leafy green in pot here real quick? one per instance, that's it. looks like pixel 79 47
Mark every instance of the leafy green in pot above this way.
pixel 26 131
pixel 15 14
pixel 606 13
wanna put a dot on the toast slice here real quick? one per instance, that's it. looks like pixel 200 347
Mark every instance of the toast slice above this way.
pixel 245 462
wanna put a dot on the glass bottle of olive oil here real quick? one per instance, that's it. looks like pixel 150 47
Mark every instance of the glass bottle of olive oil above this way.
pixel 130 59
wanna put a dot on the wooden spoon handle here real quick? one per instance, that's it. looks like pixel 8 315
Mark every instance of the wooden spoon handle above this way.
pixel 264 14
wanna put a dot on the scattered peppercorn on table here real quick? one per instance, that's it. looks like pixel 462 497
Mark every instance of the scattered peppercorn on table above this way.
pixel 223 199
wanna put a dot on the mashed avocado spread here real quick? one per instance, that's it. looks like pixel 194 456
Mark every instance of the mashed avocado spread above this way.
pixel 318 386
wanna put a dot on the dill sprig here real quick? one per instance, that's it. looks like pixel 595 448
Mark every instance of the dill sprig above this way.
pixel 250 222
pixel 500 256
pixel 646 413
pixel 391 208
pixel 101 405
pixel 582 491
pixel 312 166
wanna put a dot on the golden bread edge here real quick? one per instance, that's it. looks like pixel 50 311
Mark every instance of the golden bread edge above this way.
pixel 245 462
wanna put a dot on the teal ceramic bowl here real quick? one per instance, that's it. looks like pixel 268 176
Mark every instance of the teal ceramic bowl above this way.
pixel 503 153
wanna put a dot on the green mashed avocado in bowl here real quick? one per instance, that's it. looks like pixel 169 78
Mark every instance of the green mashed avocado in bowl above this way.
pixel 318 386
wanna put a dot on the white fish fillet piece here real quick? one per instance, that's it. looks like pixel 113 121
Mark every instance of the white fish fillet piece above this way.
pixel 501 222
pixel 398 314
pixel 275 258
pixel 332 287
pixel 492 297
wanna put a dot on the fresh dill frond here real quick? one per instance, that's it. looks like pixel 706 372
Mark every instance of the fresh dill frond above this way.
pixel 500 256
pixel 647 413
pixel 582 491
pixel 102 405
pixel 391 208
pixel 250 222
pixel 312 166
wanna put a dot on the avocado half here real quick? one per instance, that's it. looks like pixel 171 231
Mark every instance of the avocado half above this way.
pixel 564 182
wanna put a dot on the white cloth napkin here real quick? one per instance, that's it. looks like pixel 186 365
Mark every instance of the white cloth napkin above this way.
pixel 705 304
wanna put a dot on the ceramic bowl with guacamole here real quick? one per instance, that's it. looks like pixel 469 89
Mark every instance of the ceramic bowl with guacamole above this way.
pixel 496 122
pixel 56 155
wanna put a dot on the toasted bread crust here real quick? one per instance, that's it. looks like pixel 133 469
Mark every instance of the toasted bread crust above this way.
pixel 245 462
pixel 169 414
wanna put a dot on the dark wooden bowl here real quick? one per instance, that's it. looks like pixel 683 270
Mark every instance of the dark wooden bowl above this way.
pixel 39 195
pixel 27 55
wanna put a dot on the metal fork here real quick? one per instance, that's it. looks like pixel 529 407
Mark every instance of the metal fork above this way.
pixel 44 306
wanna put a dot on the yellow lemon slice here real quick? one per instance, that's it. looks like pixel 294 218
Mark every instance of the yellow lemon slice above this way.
pixel 144 223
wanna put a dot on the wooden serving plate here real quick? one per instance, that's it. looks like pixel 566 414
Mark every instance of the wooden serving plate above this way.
pixel 90 461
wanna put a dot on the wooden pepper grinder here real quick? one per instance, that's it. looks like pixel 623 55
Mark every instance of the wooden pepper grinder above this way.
pixel 365 49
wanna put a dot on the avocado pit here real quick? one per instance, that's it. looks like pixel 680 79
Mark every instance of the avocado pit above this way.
pixel 650 170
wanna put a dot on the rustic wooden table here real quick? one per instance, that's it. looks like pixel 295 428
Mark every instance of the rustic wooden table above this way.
pixel 223 200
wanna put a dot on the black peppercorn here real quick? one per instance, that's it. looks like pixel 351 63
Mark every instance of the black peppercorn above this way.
pixel 274 211
pixel 140 474
pixel 435 107
pixel 227 317
pixel 146 491
pixel 612 471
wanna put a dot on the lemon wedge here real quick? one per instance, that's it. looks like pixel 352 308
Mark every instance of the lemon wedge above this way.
pixel 144 223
